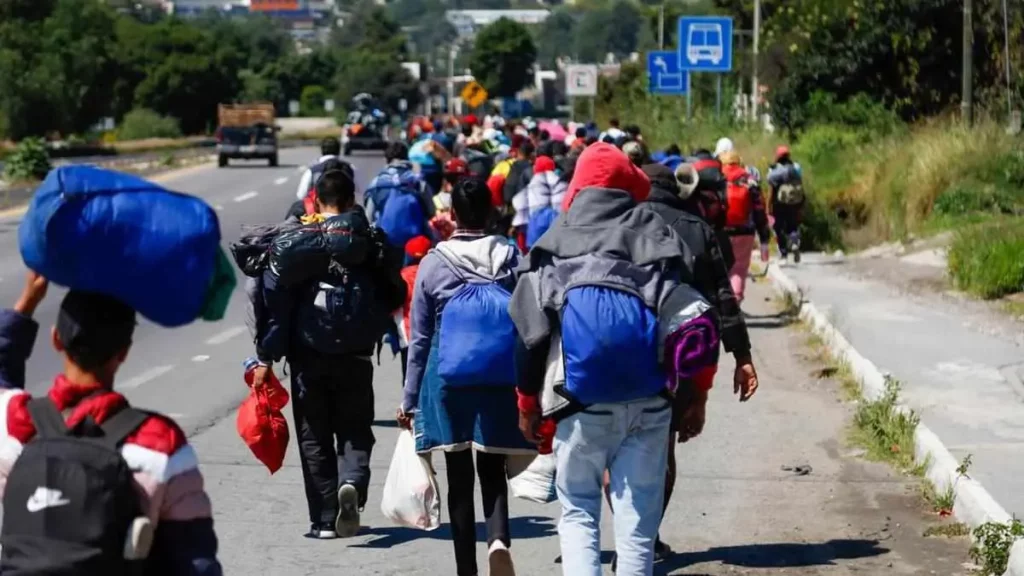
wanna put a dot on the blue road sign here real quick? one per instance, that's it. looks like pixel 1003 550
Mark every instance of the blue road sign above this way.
pixel 664 75
pixel 705 43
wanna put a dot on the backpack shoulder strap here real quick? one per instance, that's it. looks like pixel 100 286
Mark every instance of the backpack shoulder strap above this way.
pixel 121 425
pixel 47 419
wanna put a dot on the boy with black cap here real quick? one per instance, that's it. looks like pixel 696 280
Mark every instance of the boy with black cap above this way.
pixel 93 333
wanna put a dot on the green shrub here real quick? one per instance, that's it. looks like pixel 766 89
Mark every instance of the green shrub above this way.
pixel 860 112
pixel 311 102
pixel 28 161
pixel 142 123
pixel 988 260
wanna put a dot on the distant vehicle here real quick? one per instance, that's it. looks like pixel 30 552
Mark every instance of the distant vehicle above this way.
pixel 364 130
pixel 246 132
pixel 705 43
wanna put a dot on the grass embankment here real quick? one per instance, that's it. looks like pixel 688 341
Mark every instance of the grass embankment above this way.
pixel 866 188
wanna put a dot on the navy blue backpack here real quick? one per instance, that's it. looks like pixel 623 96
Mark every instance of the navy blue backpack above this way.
pixel 477 337
pixel 610 345
pixel 399 209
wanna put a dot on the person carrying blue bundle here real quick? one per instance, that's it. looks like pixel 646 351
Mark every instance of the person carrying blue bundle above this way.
pixel 460 385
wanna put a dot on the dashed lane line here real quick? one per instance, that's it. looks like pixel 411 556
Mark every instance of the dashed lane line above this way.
pixel 281 180
pixel 247 196
pixel 148 375
pixel 226 335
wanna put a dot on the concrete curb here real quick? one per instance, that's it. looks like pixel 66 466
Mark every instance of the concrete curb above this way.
pixel 974 505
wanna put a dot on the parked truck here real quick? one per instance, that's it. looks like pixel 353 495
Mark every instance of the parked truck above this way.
pixel 246 132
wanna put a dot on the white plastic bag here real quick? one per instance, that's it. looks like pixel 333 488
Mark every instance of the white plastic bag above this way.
pixel 410 491
pixel 534 482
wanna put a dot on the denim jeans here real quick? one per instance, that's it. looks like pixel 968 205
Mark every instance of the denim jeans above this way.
pixel 628 440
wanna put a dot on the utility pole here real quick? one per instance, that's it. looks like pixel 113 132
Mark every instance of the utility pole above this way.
pixel 661 27
pixel 755 90
pixel 967 97
pixel 451 77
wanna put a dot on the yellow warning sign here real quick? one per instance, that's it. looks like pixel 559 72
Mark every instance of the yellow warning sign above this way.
pixel 474 94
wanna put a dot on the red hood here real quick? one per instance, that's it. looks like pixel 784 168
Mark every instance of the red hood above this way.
pixel 543 164
pixel 602 165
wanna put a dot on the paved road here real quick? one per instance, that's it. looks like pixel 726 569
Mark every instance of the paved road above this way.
pixel 965 380
pixel 191 372
pixel 736 511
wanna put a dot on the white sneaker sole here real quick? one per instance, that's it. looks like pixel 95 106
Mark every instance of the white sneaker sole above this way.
pixel 347 524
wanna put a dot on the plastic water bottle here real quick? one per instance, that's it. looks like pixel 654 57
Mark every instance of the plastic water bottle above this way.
pixel 250 365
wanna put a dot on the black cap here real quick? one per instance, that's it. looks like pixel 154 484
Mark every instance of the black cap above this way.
pixel 94 327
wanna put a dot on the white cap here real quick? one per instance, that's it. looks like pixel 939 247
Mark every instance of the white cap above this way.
pixel 724 145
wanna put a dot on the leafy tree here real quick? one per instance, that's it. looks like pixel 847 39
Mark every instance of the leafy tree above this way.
pixel 551 37
pixel 503 56
pixel 370 28
pixel 379 74
pixel 614 30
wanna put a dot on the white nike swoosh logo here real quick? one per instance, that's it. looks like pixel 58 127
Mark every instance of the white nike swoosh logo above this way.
pixel 37 504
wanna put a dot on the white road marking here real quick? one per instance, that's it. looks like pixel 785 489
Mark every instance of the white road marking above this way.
pixel 151 374
pixel 175 415
pixel 247 196
pixel 226 335
pixel 300 169
pixel 218 207
pixel 201 358
pixel 281 180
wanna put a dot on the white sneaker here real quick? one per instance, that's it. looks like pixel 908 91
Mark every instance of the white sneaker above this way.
pixel 499 560
pixel 347 523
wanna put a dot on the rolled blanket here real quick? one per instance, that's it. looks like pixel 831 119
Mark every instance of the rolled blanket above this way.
pixel 688 335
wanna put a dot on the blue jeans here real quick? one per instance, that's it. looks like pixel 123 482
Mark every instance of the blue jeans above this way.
pixel 628 440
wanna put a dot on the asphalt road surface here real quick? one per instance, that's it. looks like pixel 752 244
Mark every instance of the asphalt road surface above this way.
pixel 736 510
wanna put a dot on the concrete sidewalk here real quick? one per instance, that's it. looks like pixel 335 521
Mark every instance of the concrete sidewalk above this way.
pixel 736 510
pixel 964 379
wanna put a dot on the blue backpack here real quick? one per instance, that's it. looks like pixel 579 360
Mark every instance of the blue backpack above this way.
pixel 610 345
pixel 477 337
pixel 97 230
pixel 399 210
pixel 539 223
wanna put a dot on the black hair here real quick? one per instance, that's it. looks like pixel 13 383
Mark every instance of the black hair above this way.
pixel 614 122
pixel 336 187
pixel 330 146
pixel 471 202
pixel 608 139
pixel 703 153
pixel 527 149
pixel 545 135
pixel 396 151
pixel 533 130
pixel 94 328
pixel 633 130
pixel 590 140
pixel 673 150
pixel 581 132
pixel 467 130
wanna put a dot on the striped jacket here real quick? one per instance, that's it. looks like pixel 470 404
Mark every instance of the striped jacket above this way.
pixel 166 469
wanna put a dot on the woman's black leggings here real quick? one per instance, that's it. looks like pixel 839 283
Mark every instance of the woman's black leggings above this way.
pixel 494 489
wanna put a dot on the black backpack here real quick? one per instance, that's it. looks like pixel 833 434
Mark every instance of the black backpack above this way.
pixel 70 508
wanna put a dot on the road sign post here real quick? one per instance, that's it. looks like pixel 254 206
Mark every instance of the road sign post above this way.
pixel 664 75
pixel 581 80
pixel 473 94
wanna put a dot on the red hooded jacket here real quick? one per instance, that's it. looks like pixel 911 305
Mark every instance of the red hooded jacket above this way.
pixel 602 165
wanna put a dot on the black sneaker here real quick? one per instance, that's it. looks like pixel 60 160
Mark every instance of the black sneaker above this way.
pixel 661 550
pixel 347 524
pixel 322 531
pixel 615 562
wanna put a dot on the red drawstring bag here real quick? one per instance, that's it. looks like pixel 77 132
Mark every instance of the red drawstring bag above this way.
pixel 261 424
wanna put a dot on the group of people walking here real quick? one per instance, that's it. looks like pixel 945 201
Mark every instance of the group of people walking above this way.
pixel 526 312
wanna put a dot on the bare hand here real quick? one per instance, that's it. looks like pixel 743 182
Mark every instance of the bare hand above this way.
pixel 260 376
pixel 529 423
pixel 32 294
pixel 691 421
pixel 404 419
pixel 744 380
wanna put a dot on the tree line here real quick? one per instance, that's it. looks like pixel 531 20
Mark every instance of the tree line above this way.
pixel 66 64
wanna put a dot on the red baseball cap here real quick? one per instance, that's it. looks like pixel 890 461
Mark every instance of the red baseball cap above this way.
pixel 781 151
pixel 417 247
